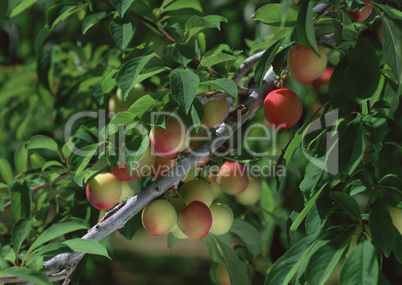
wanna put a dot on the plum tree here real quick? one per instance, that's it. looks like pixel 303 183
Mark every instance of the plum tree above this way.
pixel 123 173
pixel 252 194
pixel 167 143
pixel 103 191
pixel 195 220
pixel 396 216
pixel 197 190
pixel 216 188
pixel 118 104
pixel 282 108
pixel 161 166
pixel 159 217
pixel 232 177
pixel 304 65
pixel 362 14
pixel 215 113
pixel 222 274
pixel 222 218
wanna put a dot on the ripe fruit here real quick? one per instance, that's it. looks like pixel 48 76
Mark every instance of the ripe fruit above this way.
pixel 396 215
pixel 216 188
pixel 222 274
pixel 195 220
pixel 321 84
pixel 215 113
pixel 167 143
pixel 196 140
pixel 304 65
pixel 161 166
pixel 222 218
pixel 282 108
pixel 117 102
pixel 103 191
pixel 123 173
pixel 159 217
pixel 252 194
pixel 232 177
pixel 197 190
pixel 363 14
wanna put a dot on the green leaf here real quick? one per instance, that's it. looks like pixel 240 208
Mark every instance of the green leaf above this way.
pixel 29 275
pixel 183 54
pixel 356 187
pixel 21 158
pixel 184 85
pixel 213 250
pixel 248 234
pixel 382 230
pixel 6 171
pixel 59 12
pixel 305 26
pixel 324 260
pixel 122 6
pixel 52 163
pixel 362 75
pixel 110 81
pixel 88 246
pixel 306 209
pixel 271 14
pixel 58 230
pixel 181 4
pixel 361 266
pixel 142 105
pixel 344 28
pixel 376 127
pixel 215 59
pixel 346 202
pixel 22 6
pixel 79 161
pixel 93 19
pixel 392 46
pixel 122 118
pixel 19 233
pixel 137 149
pixel 236 268
pixel 51 249
pixel 224 84
pixel 20 193
pixel 286 266
pixel 42 142
pixel 131 227
pixel 122 30
pixel 279 59
pixel 265 61
pixel 129 73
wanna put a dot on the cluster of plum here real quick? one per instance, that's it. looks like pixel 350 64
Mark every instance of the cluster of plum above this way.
pixel 194 212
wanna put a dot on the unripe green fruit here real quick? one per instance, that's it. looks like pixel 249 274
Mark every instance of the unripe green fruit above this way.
pixel 195 220
pixel 222 218
pixel 191 175
pixel 118 104
pixel 159 217
pixel 282 108
pixel 252 194
pixel 167 143
pixel 232 177
pixel 222 274
pixel 197 190
pixel 304 65
pixel 103 191
pixel 123 173
pixel 216 188
pixel 177 233
pixel 126 191
pixel 215 113
pixel 396 216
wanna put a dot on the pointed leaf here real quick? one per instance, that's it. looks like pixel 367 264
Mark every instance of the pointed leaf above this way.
pixel 59 12
pixel 93 19
pixel 88 246
pixel 29 275
pixel 223 84
pixel 346 202
pixel 122 6
pixel 22 6
pixel 6 171
pixel 305 26
pixel 21 158
pixel 20 193
pixel 19 233
pixel 271 14
pixel 43 142
pixel 122 30
pixel 184 85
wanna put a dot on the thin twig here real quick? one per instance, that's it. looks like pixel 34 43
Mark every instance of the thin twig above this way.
pixel 43 185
